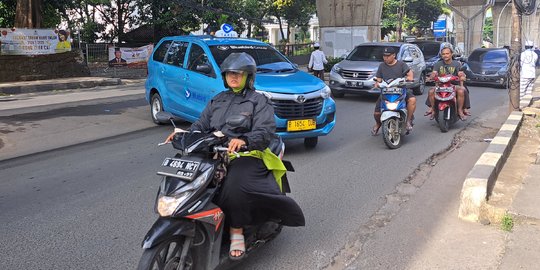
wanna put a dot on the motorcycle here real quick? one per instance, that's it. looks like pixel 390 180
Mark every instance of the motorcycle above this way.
pixel 191 230
pixel 445 109
pixel 394 111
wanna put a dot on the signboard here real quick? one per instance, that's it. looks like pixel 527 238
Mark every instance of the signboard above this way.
pixel 130 57
pixel 226 31
pixel 439 27
pixel 33 41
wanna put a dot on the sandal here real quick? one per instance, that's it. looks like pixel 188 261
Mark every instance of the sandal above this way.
pixel 237 244
pixel 462 117
pixel 375 131
pixel 467 113
pixel 431 114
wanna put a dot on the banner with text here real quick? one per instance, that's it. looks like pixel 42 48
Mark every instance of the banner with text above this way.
pixel 130 57
pixel 33 41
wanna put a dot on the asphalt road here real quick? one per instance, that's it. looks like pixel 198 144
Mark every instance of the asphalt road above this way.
pixel 88 206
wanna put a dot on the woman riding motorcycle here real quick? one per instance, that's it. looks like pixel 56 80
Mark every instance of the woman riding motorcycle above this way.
pixel 250 193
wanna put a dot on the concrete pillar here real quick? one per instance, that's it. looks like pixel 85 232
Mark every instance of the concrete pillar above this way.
pixel 347 23
pixel 469 27
pixel 530 28
pixel 502 23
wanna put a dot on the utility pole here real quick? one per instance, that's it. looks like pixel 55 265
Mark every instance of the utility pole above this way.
pixel 515 52
pixel 401 13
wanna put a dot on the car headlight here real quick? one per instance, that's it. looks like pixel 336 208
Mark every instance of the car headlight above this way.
pixel 391 105
pixel 266 94
pixel 325 92
pixel 166 205
pixel 336 68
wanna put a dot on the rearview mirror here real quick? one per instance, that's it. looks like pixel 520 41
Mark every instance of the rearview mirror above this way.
pixel 407 59
pixel 204 68
pixel 164 117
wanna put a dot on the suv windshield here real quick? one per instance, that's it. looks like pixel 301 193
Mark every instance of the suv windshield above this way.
pixel 429 49
pixel 266 57
pixel 368 53
pixel 498 56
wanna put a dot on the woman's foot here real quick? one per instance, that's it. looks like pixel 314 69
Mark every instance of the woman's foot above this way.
pixel 375 130
pixel 462 117
pixel 430 113
pixel 238 246
pixel 466 112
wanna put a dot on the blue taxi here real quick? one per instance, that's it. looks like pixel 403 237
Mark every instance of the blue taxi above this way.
pixel 184 75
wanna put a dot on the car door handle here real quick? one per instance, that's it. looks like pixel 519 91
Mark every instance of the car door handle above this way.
pixel 186 77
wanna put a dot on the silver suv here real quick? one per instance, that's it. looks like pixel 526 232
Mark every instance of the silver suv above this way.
pixel 354 75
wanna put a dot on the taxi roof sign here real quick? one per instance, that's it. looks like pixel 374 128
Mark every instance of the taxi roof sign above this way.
pixel 227 30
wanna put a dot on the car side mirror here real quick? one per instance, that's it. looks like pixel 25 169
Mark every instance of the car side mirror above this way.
pixel 343 56
pixel 204 68
pixel 408 59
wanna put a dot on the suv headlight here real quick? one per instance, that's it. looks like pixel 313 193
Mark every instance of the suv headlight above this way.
pixel 166 205
pixel 336 68
pixel 266 94
pixel 325 92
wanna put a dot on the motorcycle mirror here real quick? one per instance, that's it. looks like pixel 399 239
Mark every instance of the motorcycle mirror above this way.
pixel 237 120
pixel 163 117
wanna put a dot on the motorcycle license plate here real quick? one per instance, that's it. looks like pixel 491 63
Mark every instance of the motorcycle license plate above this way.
pixel 355 84
pixel 302 124
pixel 180 168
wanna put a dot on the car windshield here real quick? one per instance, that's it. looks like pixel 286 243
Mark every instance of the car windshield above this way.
pixel 429 49
pixel 266 57
pixel 368 53
pixel 498 56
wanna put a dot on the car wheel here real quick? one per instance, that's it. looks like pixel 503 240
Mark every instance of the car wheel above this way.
pixel 156 106
pixel 337 94
pixel 421 86
pixel 311 142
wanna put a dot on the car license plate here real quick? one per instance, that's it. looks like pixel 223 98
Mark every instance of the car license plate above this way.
pixel 355 84
pixel 303 124
pixel 181 168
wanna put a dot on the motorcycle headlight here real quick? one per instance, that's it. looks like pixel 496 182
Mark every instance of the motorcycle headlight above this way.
pixel 325 92
pixel 166 205
pixel 336 68
pixel 391 105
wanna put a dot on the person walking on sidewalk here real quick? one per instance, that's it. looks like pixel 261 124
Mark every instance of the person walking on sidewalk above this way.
pixel 317 61
pixel 528 70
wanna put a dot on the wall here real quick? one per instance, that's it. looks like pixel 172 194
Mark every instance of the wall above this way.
pixel 15 68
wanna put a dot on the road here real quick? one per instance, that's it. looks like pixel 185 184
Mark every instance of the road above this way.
pixel 88 206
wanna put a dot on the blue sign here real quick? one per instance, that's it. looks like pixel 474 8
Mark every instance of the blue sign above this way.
pixel 440 24
pixel 226 28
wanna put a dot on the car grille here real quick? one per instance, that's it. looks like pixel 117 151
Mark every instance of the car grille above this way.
pixel 352 74
pixel 288 109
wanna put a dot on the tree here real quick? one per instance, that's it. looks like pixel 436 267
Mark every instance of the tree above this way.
pixel 295 12
pixel 28 14
pixel 417 14
pixel 487 33
pixel 7 13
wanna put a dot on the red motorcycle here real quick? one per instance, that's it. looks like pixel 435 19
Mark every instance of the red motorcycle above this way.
pixel 445 109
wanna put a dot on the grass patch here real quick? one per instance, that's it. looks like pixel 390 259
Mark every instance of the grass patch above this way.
pixel 507 223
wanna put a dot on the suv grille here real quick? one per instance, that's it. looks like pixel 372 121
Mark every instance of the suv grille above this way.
pixel 288 109
pixel 358 75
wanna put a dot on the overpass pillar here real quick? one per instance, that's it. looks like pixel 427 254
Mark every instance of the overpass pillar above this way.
pixel 347 23
pixel 469 22
pixel 529 28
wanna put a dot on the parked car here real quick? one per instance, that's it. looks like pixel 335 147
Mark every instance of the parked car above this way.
pixel 354 75
pixel 431 51
pixel 488 66
pixel 184 75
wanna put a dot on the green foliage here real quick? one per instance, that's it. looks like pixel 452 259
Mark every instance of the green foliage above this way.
pixel 507 223
pixel 487 33
pixel 7 13
pixel 331 62
pixel 418 14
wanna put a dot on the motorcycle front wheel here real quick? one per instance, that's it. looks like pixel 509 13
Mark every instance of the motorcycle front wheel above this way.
pixel 166 256
pixel 391 134
pixel 444 124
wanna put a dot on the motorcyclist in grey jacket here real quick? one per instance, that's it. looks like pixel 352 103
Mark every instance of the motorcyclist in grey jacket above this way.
pixel 249 186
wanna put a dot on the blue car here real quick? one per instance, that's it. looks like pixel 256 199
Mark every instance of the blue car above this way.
pixel 184 75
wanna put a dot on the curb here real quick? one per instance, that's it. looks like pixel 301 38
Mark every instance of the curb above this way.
pixel 50 85
pixel 481 179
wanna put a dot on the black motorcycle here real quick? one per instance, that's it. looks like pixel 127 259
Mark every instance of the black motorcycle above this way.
pixel 191 232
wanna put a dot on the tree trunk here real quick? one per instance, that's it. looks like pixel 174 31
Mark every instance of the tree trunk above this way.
pixel 249 30
pixel 28 14
pixel 281 28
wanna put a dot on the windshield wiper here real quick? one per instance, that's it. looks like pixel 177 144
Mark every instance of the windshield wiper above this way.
pixel 284 70
pixel 264 70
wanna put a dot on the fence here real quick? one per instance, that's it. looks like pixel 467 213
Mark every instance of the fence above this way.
pixel 96 56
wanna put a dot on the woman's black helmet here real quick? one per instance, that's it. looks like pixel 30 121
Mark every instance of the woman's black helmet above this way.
pixel 237 62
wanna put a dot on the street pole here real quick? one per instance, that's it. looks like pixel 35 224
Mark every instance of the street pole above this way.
pixel 499 20
pixel 515 52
